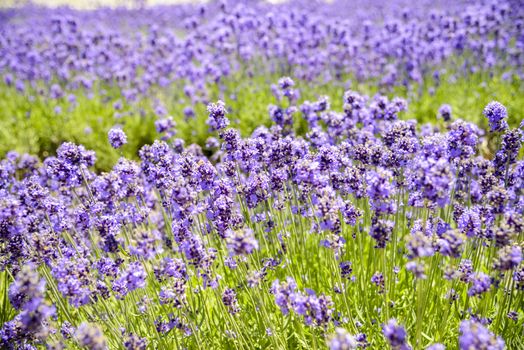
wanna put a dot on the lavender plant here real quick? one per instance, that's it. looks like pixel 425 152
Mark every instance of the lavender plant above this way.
pixel 70 75
pixel 366 232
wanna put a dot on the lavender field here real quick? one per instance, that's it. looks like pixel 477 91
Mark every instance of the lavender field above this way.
pixel 254 175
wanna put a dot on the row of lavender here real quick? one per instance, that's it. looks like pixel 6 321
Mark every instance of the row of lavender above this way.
pixel 367 231
pixel 395 43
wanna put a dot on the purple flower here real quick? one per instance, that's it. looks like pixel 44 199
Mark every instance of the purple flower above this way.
pixel 117 138
pixel 56 92
pixel 381 231
pixel 342 340
pixel 433 178
pixel 450 243
pixel 465 270
pixel 189 112
pixel 480 284
pixel 283 292
pixel 171 268
pixel 508 153
pixel 74 279
pixel 67 330
pixel 395 335
pixel 417 268
pixel 281 117
pixel 231 141
pixel 26 286
pixel 508 258
pixel 350 213
pixel 175 295
pixel 285 83
pixel 469 222
pixel 91 337
pixel 419 243
pixel 133 277
pixel 345 269
pixel 241 242
pixel 229 298
pixel 378 280
pixel 444 112
pixel 285 88
pixel 474 335
pixel 496 114
pixel 166 127
pixel 217 119
pixel 212 143
pixel 134 342
pixel 379 184
pixel 462 140
pixel 315 310
pixel 147 245
pixel 75 155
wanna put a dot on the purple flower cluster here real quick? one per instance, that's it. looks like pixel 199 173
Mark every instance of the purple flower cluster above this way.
pixel 217 116
pixel 496 114
pixel 138 51
pixel 342 340
pixel 117 137
pixel 91 337
pixel 30 325
pixel 241 242
pixel 315 310
pixel 395 335
pixel 364 208
pixel 474 335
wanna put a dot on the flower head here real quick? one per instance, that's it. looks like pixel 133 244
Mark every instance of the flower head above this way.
pixel 496 114
pixel 444 112
pixel 241 242
pixel 217 119
pixel 474 335
pixel 117 137
pixel 342 340
pixel 91 337
pixel 395 334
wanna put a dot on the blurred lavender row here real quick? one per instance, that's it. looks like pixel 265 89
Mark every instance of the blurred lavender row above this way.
pixel 395 42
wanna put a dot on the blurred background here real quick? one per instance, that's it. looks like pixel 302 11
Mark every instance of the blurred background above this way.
pixel 89 4
pixel 85 4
